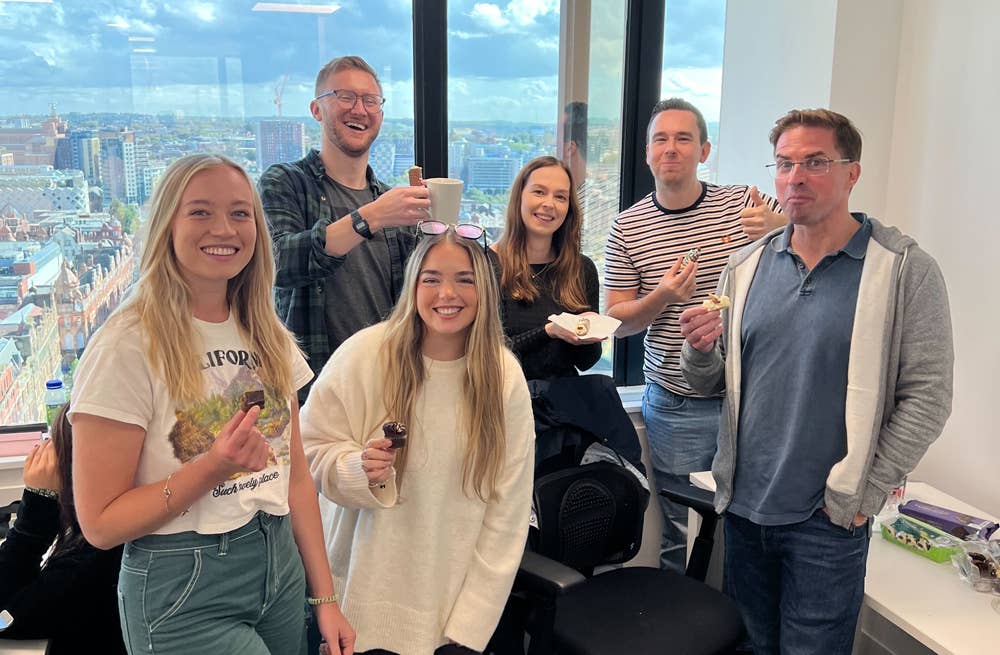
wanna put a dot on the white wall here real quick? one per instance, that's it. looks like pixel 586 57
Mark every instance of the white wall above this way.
pixel 921 79
pixel 778 55
pixel 944 164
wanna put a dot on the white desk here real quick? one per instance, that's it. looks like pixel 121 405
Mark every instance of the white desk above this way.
pixel 928 600
pixel 924 599
pixel 11 480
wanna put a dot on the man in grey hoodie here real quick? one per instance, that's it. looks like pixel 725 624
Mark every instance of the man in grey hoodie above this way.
pixel 836 362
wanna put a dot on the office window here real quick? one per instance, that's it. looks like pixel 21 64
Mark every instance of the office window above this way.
pixel 99 98
pixel 693 39
pixel 503 83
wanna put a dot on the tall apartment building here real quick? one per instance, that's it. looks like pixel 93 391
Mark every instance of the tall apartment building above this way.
pixel 119 174
pixel 280 141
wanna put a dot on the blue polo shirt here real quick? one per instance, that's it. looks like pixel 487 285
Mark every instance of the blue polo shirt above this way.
pixel 796 342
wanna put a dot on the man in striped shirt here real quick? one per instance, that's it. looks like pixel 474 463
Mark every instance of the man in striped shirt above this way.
pixel 648 285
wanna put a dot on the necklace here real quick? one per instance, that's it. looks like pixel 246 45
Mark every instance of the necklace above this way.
pixel 535 274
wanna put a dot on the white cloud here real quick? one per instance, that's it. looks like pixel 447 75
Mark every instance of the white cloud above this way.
pixel 465 36
pixel 488 15
pixel 700 86
pixel 524 12
pixel 548 44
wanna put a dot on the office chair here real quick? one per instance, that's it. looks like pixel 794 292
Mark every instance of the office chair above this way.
pixel 592 515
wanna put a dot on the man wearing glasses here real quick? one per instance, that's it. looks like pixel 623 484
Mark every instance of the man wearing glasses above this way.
pixel 836 362
pixel 648 282
pixel 341 236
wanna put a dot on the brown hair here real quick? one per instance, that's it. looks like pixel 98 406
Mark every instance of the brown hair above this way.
pixel 70 536
pixel 516 279
pixel 679 104
pixel 338 64
pixel 847 137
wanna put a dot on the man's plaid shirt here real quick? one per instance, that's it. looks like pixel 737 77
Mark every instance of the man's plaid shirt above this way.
pixel 298 202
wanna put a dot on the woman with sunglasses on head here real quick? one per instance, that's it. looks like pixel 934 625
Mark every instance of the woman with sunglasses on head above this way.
pixel 69 598
pixel 426 538
pixel 544 273
pixel 186 439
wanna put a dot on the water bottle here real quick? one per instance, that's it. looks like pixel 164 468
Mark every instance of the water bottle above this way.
pixel 55 397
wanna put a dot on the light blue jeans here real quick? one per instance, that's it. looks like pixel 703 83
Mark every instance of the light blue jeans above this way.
pixel 238 592
pixel 682 433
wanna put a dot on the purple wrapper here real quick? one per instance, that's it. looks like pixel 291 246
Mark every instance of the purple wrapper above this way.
pixel 954 523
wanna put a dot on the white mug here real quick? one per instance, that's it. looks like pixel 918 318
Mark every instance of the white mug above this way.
pixel 446 198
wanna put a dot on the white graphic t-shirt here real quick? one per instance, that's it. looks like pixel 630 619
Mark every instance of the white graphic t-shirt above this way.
pixel 115 381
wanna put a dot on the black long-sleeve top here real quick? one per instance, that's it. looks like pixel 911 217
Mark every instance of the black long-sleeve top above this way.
pixel 72 600
pixel 540 355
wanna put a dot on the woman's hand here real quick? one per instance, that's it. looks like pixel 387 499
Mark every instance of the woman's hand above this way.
pixel 338 635
pixel 558 332
pixel 377 458
pixel 41 467
pixel 240 447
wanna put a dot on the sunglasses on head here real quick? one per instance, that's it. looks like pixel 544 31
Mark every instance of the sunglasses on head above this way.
pixel 464 230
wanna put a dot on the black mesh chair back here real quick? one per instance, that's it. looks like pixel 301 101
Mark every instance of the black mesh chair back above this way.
pixel 592 515
pixel 589 515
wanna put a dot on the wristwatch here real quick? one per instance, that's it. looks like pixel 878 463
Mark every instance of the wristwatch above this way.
pixel 360 225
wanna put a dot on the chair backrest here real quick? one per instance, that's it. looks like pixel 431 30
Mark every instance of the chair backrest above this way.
pixel 589 515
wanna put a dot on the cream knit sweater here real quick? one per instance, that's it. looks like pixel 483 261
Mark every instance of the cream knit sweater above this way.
pixel 428 565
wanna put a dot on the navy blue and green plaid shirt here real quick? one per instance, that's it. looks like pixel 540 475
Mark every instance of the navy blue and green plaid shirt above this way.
pixel 300 201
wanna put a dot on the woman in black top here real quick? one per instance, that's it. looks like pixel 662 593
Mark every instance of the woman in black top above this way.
pixel 544 272
pixel 72 599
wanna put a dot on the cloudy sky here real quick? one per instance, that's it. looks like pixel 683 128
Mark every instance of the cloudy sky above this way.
pixel 221 58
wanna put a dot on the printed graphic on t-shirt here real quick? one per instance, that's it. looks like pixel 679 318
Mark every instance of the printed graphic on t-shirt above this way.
pixel 198 425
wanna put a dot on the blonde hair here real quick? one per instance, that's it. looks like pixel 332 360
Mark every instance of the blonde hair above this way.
pixel 516 280
pixel 403 366
pixel 161 300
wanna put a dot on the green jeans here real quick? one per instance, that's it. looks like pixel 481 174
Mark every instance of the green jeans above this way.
pixel 237 592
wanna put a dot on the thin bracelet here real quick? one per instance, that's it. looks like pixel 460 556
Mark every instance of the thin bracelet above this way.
pixel 332 598
pixel 167 493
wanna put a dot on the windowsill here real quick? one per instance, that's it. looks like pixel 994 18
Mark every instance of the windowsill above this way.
pixel 632 399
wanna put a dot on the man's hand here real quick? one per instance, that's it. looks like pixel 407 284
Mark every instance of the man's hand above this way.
pixel 700 327
pixel 399 206
pixel 758 219
pixel 678 285
pixel 41 467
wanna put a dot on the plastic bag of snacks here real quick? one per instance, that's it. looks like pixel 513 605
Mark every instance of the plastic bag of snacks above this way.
pixel 978 563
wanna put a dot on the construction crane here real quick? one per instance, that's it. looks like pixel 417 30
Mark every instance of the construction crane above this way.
pixel 279 90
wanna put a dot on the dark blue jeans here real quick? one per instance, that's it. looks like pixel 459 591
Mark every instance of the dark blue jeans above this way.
pixel 682 434
pixel 799 587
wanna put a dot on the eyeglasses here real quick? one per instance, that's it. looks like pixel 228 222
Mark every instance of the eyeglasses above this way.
pixel 813 166
pixel 347 99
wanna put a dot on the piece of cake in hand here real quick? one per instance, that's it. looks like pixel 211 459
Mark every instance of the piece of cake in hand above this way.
pixel 582 327
pixel 415 173
pixel 716 303
pixel 251 398
pixel 395 432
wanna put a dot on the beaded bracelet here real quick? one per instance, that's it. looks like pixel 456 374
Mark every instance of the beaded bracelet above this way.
pixel 332 598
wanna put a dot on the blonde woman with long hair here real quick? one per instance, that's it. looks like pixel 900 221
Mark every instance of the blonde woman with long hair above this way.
pixel 544 272
pixel 425 539
pixel 186 440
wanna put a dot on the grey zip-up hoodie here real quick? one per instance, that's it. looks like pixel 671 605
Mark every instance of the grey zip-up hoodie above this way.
pixel 899 378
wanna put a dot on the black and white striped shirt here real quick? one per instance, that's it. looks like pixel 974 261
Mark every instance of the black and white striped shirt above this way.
pixel 644 243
